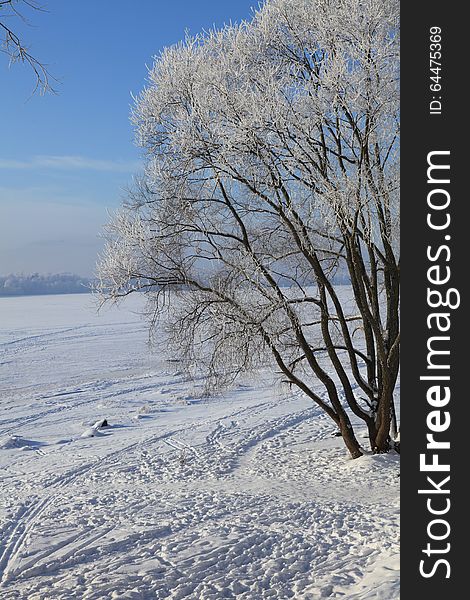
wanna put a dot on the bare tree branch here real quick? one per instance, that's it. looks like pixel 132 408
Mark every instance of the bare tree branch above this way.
pixel 14 47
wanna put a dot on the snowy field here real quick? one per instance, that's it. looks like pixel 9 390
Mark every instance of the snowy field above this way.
pixel 246 496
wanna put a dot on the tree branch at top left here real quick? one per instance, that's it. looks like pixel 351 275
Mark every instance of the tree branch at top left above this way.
pixel 12 44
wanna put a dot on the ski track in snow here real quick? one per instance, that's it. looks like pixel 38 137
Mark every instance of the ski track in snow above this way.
pixel 246 496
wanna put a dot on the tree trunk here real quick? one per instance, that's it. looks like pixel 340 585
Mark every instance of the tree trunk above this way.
pixel 372 430
pixel 382 438
pixel 350 439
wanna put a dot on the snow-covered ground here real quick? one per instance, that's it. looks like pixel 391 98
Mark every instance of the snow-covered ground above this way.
pixel 246 496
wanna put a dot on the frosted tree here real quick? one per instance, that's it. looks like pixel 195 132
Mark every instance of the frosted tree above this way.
pixel 271 171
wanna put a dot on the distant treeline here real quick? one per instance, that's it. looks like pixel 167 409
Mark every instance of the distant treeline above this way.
pixel 36 284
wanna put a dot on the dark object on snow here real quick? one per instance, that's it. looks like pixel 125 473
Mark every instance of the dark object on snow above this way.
pixel 104 423
pixel 337 434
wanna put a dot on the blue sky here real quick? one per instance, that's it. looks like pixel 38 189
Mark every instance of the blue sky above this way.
pixel 66 159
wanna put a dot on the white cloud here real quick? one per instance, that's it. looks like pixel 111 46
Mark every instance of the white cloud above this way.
pixel 70 163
